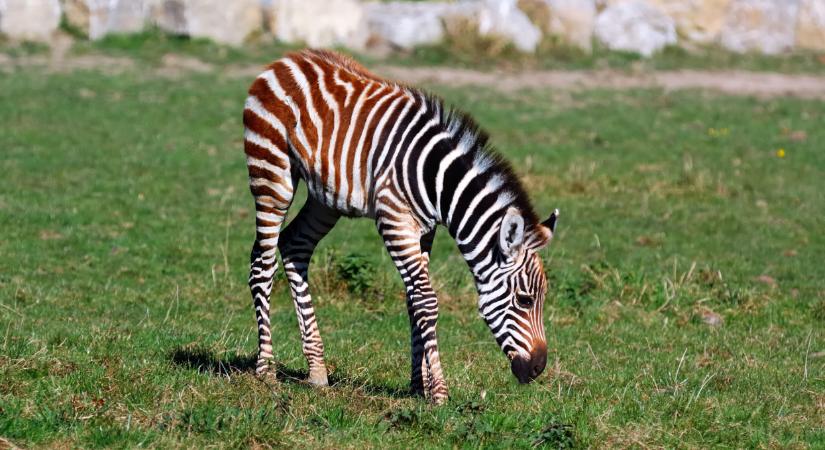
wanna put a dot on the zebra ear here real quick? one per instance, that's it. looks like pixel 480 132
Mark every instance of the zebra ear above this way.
pixel 544 232
pixel 511 233
pixel 551 222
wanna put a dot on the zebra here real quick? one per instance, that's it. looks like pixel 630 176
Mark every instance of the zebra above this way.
pixel 369 147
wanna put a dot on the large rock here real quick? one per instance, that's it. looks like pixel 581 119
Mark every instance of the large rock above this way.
pixel 810 28
pixel 698 21
pixel 29 20
pixel 97 18
pixel 573 21
pixel 766 26
pixel 319 23
pixel 635 26
pixel 226 22
pixel 406 24
pixel 503 18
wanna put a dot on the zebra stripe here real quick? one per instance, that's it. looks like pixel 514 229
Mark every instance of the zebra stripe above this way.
pixel 368 147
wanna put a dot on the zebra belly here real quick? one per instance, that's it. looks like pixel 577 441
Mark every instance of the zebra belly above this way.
pixel 348 203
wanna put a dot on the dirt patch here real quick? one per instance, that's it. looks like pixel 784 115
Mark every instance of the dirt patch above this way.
pixel 174 66
pixel 109 65
pixel 729 82
pixel 759 84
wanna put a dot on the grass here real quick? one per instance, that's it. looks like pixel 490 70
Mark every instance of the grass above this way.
pixel 686 305
pixel 551 54
pixel 463 49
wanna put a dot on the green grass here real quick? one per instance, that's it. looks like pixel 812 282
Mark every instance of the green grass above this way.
pixel 126 320
pixel 463 50
pixel 554 55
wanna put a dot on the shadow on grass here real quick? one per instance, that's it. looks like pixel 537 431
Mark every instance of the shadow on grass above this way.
pixel 205 361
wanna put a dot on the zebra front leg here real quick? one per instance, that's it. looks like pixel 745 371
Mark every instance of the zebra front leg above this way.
pixel 298 242
pixel 405 247
pixel 419 373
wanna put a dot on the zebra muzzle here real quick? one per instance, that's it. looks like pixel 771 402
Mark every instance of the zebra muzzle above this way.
pixel 527 370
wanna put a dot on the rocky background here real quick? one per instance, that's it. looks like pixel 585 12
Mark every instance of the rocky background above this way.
pixel 640 26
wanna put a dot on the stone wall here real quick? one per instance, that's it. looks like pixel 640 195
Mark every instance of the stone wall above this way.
pixel 640 26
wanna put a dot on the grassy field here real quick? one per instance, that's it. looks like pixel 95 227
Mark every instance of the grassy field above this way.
pixel 686 304
pixel 463 50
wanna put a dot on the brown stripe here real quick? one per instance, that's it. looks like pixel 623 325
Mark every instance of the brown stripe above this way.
pixel 324 113
pixel 256 151
pixel 290 86
pixel 359 121
pixel 280 110
pixel 258 172
pixel 262 128
pixel 271 103
pixel 385 132
pixel 260 191
pixel 345 171
pixel 340 95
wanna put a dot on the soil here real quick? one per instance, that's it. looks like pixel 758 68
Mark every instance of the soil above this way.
pixel 759 84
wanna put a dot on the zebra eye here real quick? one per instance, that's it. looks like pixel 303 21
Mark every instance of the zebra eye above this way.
pixel 524 300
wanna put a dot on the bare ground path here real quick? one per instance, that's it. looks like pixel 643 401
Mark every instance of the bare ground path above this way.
pixel 759 84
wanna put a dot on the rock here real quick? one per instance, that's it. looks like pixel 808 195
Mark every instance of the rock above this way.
pixel 635 26
pixel 573 21
pixel 712 319
pixel 766 279
pixel 810 28
pixel 29 20
pixel 97 18
pixel 765 26
pixel 170 16
pixel 503 18
pixel 697 21
pixel 406 24
pixel 319 23
pixel 221 21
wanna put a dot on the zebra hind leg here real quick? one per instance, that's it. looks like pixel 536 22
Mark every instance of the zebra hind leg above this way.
pixel 297 244
pixel 263 265
pixel 273 196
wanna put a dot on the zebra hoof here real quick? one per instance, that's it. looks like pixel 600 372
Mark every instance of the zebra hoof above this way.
pixel 438 395
pixel 318 378
pixel 438 400
pixel 264 374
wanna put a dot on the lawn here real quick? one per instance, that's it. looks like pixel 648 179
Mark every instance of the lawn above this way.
pixel 686 303
pixel 464 50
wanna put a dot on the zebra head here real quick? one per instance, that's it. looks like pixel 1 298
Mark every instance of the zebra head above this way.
pixel 511 298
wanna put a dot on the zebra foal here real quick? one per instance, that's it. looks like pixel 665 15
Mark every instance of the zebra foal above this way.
pixel 369 147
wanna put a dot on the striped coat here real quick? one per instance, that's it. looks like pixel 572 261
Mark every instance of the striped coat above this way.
pixel 369 147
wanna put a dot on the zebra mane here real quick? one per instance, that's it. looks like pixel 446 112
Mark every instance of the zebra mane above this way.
pixel 338 60
pixel 467 133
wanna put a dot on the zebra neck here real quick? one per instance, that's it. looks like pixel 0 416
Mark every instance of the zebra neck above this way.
pixel 472 202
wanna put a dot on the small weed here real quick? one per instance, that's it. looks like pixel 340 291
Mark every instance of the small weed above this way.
pixel 818 310
pixel 401 418
pixel 556 435
pixel 473 431
pixel 471 407
pixel 357 271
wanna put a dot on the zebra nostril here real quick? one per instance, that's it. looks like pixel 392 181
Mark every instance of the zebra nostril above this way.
pixel 538 365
